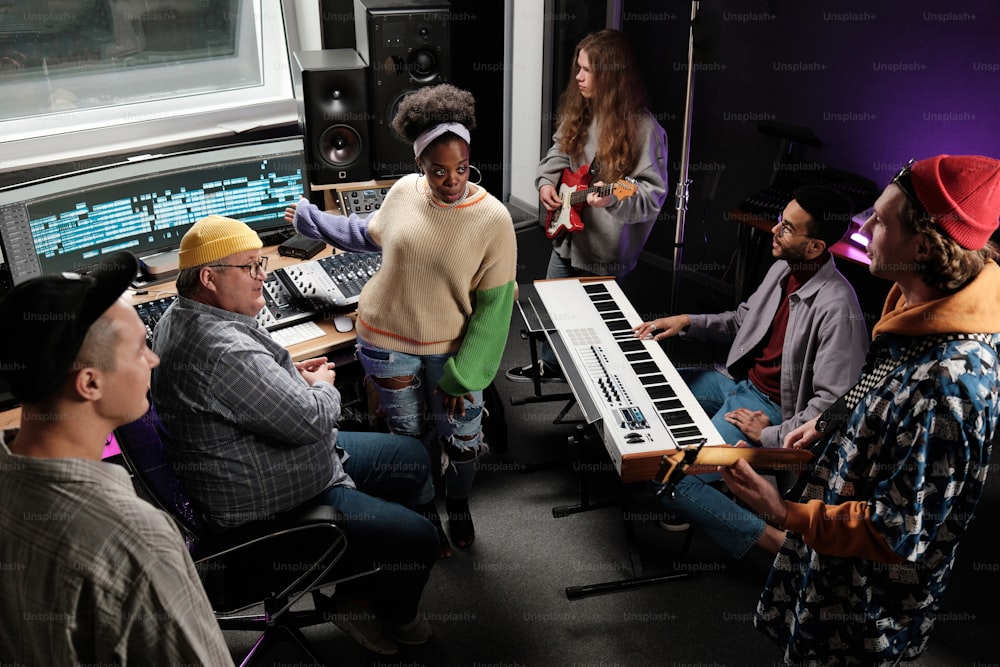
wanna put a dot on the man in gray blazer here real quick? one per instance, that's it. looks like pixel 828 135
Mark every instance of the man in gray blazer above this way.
pixel 797 344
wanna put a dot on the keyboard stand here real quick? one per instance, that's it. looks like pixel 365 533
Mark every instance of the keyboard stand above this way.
pixel 587 440
pixel 535 333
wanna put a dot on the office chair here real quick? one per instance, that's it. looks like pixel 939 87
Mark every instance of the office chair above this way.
pixel 272 562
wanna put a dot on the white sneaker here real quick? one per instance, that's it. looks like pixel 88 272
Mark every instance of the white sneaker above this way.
pixel 418 631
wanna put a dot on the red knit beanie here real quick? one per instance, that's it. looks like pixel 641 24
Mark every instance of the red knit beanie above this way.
pixel 962 193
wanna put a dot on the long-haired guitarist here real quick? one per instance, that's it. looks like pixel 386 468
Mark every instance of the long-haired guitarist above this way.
pixel 608 142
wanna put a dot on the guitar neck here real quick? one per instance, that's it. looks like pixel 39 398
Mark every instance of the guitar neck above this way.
pixel 580 196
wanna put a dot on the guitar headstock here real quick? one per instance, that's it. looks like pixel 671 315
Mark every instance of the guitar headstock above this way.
pixel 624 188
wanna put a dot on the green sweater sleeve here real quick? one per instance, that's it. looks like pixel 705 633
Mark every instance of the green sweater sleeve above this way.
pixel 478 359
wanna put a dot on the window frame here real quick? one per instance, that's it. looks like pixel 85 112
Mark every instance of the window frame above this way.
pixel 65 138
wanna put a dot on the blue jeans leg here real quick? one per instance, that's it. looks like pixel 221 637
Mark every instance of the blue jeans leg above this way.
pixel 390 471
pixel 417 410
pixel 731 526
pixel 728 524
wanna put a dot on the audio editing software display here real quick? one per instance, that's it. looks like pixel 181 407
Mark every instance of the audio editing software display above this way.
pixel 66 223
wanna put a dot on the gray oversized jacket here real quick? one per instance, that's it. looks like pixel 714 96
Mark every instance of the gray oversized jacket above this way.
pixel 825 342
pixel 612 237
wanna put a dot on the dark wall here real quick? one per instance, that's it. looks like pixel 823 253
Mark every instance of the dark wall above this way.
pixel 477 42
pixel 876 82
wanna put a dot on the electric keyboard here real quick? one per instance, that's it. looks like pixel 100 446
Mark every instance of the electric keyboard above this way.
pixel 627 384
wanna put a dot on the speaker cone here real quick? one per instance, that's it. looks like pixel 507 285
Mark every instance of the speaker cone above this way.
pixel 340 145
pixel 393 109
pixel 422 64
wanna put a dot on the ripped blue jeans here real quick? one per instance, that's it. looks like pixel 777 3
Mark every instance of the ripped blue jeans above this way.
pixel 416 410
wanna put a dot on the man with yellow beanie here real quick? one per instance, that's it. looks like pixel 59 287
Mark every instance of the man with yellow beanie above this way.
pixel 903 456
pixel 253 434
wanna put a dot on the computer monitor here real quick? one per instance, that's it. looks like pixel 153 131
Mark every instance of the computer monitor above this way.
pixel 144 205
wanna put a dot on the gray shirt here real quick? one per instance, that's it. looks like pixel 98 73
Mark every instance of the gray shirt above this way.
pixel 248 435
pixel 612 237
pixel 92 574
pixel 825 342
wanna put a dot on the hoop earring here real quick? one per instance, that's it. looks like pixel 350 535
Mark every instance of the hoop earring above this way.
pixel 478 180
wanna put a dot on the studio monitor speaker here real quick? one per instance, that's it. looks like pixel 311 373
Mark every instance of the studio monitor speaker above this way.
pixel 407 46
pixel 332 95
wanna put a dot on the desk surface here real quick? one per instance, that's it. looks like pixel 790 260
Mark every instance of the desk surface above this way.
pixel 333 341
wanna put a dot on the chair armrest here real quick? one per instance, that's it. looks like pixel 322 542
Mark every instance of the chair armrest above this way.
pixel 280 558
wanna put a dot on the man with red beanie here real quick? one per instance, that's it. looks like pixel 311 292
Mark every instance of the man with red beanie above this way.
pixel 902 457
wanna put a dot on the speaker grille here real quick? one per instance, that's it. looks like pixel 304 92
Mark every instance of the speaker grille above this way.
pixel 408 46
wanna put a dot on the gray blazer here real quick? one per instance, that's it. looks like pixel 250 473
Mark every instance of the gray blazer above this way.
pixel 825 343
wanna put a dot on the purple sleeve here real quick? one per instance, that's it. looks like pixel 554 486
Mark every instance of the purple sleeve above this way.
pixel 344 232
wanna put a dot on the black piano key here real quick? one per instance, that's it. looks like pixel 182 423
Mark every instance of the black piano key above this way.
pixel 605 306
pixel 686 442
pixel 639 356
pixel 685 432
pixel 645 368
pixel 631 345
pixel 669 404
pixel 618 325
pixel 595 289
pixel 676 417
pixel 661 391
pixel 648 380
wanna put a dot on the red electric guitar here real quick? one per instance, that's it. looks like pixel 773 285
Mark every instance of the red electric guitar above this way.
pixel 574 186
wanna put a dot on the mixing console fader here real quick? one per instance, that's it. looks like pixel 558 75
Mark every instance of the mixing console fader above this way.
pixel 331 282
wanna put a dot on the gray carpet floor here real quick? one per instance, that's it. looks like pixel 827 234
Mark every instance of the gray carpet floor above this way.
pixel 503 602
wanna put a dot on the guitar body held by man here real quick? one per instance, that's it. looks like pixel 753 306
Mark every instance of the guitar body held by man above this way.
pixel 574 186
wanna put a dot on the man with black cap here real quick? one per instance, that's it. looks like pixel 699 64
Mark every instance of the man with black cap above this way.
pixel 904 454
pixel 796 344
pixel 255 434
pixel 90 572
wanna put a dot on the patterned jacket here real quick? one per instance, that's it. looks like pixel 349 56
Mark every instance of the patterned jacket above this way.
pixel 902 479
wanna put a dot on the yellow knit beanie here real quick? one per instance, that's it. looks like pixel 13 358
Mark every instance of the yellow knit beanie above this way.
pixel 214 237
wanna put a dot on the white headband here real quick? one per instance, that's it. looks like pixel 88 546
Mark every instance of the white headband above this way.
pixel 432 133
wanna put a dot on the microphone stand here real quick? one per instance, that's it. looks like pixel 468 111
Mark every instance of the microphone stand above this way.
pixel 683 183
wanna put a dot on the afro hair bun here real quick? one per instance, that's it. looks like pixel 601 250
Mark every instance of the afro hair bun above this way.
pixel 431 106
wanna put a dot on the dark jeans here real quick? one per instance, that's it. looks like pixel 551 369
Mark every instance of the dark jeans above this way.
pixel 382 530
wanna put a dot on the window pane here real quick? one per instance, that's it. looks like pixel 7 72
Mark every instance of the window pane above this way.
pixel 66 56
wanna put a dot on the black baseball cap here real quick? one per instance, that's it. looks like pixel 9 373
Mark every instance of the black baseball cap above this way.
pixel 43 322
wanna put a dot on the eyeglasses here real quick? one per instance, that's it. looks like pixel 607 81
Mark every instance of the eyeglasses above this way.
pixel 904 182
pixel 254 268
pixel 786 229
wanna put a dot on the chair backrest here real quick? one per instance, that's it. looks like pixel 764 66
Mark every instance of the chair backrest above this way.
pixel 143 447
pixel 284 557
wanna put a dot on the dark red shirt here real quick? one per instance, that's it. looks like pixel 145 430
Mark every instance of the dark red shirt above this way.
pixel 766 370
